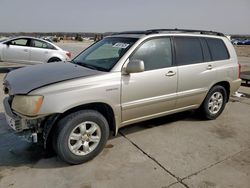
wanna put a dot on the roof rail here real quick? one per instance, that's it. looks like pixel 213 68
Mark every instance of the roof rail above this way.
pixel 155 31
pixel 146 32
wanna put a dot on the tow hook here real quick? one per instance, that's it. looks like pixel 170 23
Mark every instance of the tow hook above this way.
pixel 34 137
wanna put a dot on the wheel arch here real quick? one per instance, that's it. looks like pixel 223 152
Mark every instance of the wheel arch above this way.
pixel 224 84
pixel 54 57
pixel 105 109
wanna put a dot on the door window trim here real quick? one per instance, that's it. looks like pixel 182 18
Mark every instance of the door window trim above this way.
pixel 9 42
pixel 212 58
pixel 152 38
pixel 202 50
pixel 31 41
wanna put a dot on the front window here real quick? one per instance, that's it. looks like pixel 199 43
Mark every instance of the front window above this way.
pixel 104 54
pixel 155 53
pixel 19 42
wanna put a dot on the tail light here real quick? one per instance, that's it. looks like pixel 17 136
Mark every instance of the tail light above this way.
pixel 68 54
pixel 239 70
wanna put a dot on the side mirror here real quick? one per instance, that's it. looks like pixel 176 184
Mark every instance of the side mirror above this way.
pixel 134 66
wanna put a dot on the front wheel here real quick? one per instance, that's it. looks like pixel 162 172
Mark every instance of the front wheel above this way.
pixel 214 103
pixel 81 136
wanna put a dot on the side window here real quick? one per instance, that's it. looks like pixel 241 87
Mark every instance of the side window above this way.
pixel 218 49
pixel 19 42
pixel 188 50
pixel 49 46
pixel 41 44
pixel 156 53
pixel 205 50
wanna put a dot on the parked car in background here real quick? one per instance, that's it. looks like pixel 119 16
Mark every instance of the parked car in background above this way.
pixel 236 41
pixel 246 42
pixel 30 50
pixel 50 39
pixel 240 42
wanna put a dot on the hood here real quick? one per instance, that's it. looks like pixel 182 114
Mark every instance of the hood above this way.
pixel 24 80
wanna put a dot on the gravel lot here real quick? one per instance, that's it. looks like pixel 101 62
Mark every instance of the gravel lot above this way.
pixel 243 50
pixel 74 47
pixel 175 151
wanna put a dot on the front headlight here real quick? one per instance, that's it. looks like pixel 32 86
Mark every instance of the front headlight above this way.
pixel 27 104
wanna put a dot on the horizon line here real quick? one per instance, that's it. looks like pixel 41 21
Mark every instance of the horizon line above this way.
pixel 34 32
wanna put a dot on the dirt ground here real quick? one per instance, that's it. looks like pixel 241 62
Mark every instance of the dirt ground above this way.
pixel 242 50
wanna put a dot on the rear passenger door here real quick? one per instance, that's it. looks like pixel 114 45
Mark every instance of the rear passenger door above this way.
pixel 195 72
pixel 40 51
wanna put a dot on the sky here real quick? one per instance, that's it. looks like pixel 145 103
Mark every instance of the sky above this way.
pixel 228 16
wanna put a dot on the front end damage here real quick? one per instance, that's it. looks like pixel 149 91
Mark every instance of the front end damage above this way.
pixel 32 129
pixel 22 108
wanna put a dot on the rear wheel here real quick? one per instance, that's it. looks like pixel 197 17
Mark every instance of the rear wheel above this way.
pixel 81 136
pixel 54 59
pixel 214 103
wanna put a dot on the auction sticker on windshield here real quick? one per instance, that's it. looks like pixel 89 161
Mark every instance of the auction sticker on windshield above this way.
pixel 120 45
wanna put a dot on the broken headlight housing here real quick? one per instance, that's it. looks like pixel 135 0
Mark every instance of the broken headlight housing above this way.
pixel 27 104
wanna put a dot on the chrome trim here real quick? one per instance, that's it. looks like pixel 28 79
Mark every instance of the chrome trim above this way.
pixel 158 115
pixel 148 101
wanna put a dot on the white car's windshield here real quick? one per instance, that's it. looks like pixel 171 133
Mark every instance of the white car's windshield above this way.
pixel 3 39
pixel 104 54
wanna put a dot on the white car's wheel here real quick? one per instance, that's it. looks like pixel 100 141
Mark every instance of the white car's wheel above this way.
pixel 54 59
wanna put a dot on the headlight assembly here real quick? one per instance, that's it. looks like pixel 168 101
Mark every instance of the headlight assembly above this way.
pixel 27 104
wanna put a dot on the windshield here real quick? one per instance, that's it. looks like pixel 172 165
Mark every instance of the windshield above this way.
pixel 3 39
pixel 104 54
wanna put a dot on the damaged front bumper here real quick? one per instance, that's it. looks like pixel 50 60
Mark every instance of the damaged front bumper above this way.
pixel 24 127
pixel 29 128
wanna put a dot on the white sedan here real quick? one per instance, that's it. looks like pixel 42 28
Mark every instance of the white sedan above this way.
pixel 29 50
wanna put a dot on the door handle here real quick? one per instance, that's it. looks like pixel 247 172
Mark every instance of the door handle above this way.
pixel 46 52
pixel 209 67
pixel 25 50
pixel 170 73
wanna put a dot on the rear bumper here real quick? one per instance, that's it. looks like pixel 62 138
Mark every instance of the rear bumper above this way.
pixel 234 86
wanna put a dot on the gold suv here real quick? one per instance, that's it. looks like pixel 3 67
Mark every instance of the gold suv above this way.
pixel 123 79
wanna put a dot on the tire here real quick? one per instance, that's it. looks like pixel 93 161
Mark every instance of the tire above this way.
pixel 214 103
pixel 54 59
pixel 71 139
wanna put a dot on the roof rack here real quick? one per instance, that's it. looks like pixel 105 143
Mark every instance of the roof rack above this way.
pixel 155 31
pixel 132 32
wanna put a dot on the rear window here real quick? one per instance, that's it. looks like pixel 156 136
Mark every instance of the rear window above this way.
pixel 217 49
pixel 188 50
pixel 41 44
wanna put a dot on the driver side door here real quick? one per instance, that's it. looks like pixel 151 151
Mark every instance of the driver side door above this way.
pixel 17 51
